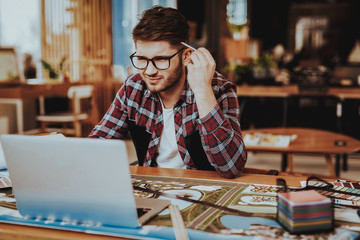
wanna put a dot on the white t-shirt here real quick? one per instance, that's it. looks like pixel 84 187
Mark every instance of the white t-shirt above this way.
pixel 169 156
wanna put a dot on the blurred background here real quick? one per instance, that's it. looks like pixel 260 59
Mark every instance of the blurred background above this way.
pixel 256 42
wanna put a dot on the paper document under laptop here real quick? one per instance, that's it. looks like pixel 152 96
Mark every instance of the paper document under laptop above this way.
pixel 74 179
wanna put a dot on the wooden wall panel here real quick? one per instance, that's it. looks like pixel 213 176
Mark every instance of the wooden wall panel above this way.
pixel 81 31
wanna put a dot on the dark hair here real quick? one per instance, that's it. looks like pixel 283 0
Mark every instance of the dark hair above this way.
pixel 162 24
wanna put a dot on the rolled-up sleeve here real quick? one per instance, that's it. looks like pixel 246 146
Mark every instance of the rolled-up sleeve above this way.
pixel 221 135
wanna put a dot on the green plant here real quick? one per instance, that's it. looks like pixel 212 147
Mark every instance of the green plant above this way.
pixel 54 72
pixel 265 61
pixel 238 72
pixel 11 75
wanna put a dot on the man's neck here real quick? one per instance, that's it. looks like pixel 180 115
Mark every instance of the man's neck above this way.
pixel 170 98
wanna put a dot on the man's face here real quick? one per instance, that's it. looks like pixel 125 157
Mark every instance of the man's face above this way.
pixel 161 80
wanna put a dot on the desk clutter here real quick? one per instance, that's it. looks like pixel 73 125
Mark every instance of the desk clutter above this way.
pixel 342 193
pixel 268 139
pixel 201 222
pixel 5 181
pixel 315 206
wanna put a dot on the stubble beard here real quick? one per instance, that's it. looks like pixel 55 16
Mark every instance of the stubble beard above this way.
pixel 170 82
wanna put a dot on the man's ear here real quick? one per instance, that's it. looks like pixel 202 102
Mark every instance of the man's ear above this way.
pixel 186 56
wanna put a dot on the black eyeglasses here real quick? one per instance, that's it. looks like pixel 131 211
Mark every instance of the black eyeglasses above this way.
pixel 160 62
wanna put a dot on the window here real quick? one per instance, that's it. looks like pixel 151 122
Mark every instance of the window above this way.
pixel 20 28
pixel 125 16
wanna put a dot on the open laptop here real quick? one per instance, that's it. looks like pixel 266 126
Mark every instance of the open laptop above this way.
pixel 75 179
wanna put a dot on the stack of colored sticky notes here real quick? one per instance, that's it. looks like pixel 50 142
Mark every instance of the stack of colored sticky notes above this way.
pixel 304 212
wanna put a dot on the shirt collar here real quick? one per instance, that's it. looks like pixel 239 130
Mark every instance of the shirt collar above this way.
pixel 149 94
pixel 187 94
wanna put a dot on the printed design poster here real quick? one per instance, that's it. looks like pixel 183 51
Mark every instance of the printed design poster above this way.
pixel 259 200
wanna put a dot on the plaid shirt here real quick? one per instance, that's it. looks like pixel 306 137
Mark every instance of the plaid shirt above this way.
pixel 219 130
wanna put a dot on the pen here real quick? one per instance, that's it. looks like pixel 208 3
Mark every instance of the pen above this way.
pixel 187 45
pixel 178 223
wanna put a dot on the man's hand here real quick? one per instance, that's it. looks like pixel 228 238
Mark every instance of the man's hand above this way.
pixel 201 70
pixel 200 73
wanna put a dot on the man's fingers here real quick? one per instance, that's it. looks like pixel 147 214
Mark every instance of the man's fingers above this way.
pixel 202 57
pixel 195 59
pixel 208 55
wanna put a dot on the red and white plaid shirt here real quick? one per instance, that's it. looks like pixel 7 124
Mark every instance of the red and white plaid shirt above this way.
pixel 219 130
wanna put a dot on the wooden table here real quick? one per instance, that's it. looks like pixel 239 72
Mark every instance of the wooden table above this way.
pixel 12 232
pixel 17 93
pixel 310 141
pixel 287 91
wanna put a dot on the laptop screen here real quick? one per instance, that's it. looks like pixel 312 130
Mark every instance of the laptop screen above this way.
pixel 74 179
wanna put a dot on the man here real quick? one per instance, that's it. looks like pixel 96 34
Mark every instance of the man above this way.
pixel 179 111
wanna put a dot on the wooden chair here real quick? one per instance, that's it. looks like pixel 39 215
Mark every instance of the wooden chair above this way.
pixel 77 114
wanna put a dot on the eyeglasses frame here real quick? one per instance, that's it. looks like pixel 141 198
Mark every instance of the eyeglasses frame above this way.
pixel 152 60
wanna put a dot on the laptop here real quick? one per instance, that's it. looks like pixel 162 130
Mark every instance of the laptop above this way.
pixel 75 179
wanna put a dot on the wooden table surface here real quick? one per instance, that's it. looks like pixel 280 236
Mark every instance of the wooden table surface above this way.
pixel 288 90
pixel 12 232
pixel 309 141
pixel 16 94
pixel 25 91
